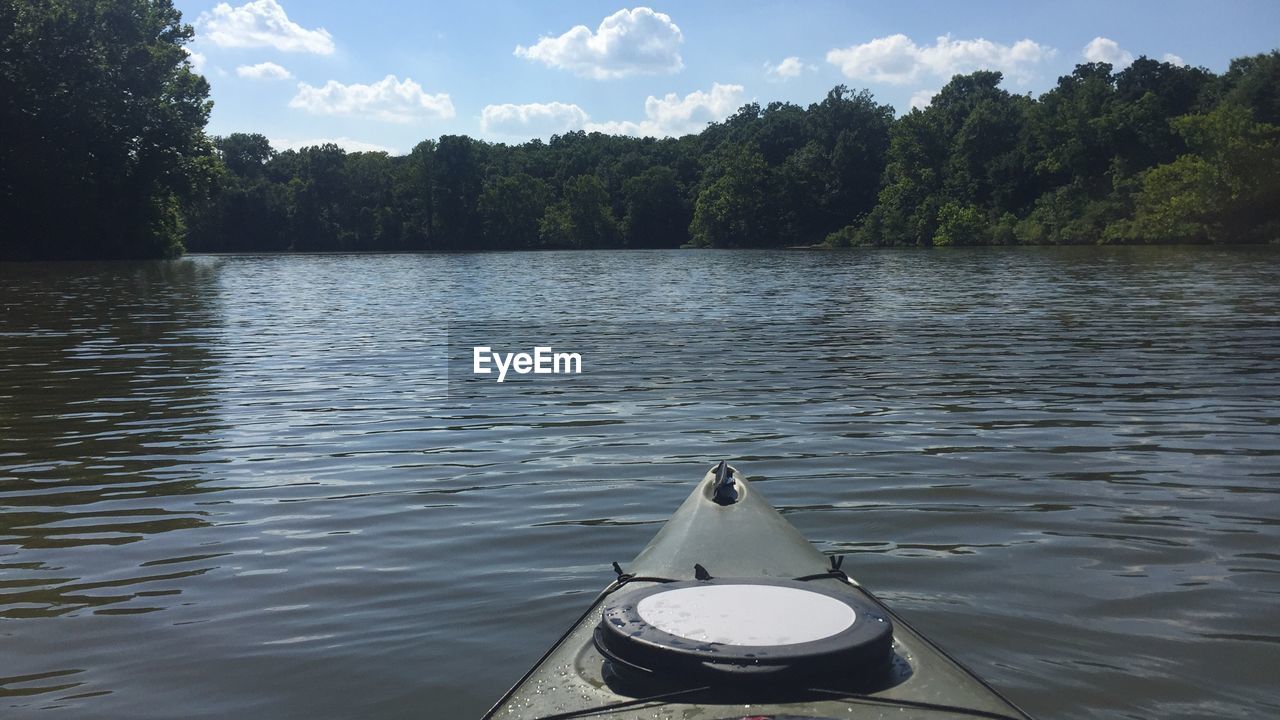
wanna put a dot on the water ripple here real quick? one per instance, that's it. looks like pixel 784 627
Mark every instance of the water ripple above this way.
pixel 1058 463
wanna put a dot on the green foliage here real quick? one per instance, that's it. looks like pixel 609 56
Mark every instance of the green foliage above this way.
pixel 244 154
pixel 414 180
pixel 907 209
pixel 959 225
pixel 1254 83
pixel 819 170
pixel 1130 157
pixel 457 180
pixel 1004 231
pixel 1227 189
pixel 581 219
pixel 846 236
pixel 656 210
pixel 106 157
pixel 1066 215
pixel 730 210
pixel 104 127
pixel 511 208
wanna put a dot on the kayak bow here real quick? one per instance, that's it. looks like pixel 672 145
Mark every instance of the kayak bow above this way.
pixel 729 613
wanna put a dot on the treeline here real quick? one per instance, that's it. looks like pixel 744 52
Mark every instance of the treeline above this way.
pixel 772 176
pixel 105 155
pixel 1156 153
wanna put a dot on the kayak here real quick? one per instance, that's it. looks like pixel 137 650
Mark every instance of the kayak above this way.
pixel 730 613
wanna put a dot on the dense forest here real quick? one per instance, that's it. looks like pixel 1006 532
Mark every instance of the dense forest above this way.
pixel 107 157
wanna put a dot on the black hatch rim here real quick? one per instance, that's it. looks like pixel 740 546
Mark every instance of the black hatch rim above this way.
pixel 624 637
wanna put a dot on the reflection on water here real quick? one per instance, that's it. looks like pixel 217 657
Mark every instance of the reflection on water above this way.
pixel 103 383
pixel 267 486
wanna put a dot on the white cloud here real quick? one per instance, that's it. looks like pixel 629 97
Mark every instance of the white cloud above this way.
pixel 1176 60
pixel 345 143
pixel 261 23
pixel 897 59
pixel 628 42
pixel 388 99
pixel 196 59
pixel 532 119
pixel 922 98
pixel 788 68
pixel 674 116
pixel 1106 50
pixel 264 71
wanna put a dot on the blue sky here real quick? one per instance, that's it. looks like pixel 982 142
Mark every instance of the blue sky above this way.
pixel 387 74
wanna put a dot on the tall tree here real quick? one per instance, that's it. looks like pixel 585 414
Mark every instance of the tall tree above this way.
pixel 1254 82
pixel 415 196
pixel 582 218
pixel 732 210
pixel 656 211
pixel 457 180
pixel 244 154
pixel 510 208
pixel 104 121
pixel 1227 189
pixel 907 209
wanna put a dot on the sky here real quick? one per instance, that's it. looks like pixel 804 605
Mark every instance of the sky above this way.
pixel 387 74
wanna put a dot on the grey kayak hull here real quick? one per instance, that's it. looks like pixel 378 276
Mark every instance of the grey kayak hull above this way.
pixel 744 539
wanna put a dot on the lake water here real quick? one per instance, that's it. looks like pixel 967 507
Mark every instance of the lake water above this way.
pixel 270 487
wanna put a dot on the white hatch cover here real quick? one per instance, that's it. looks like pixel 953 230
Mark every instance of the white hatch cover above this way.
pixel 744 630
pixel 746 614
